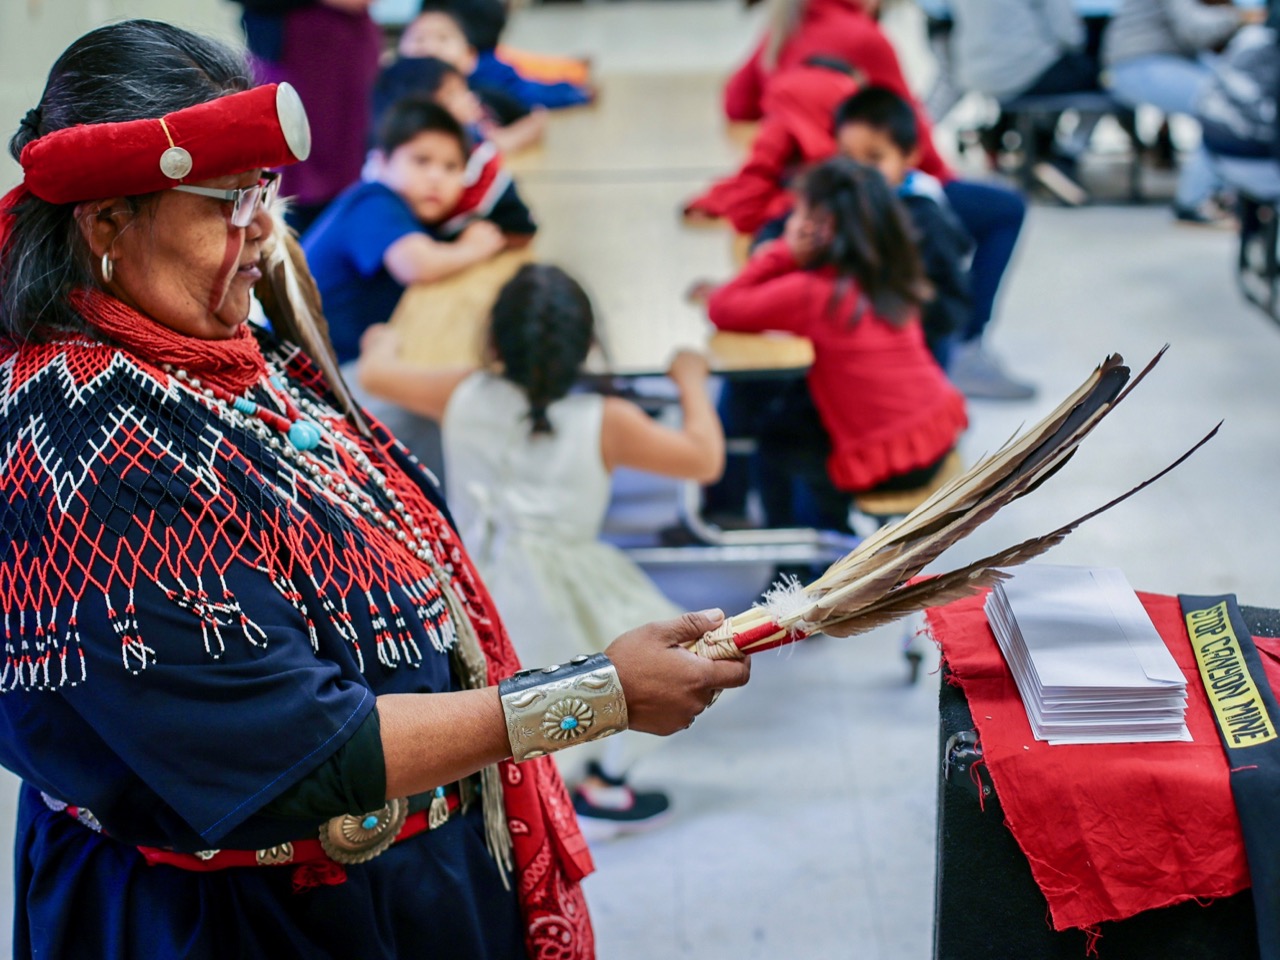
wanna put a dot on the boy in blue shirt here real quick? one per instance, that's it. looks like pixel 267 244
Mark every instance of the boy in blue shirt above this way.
pixel 388 232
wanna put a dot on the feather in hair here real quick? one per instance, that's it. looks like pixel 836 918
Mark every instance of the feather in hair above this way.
pixel 291 301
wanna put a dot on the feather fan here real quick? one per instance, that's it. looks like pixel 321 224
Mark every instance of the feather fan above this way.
pixel 291 301
pixel 873 584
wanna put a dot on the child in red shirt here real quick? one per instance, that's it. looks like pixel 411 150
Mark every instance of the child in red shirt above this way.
pixel 797 131
pixel 879 413
pixel 843 29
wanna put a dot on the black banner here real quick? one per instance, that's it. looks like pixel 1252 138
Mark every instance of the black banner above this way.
pixel 1246 712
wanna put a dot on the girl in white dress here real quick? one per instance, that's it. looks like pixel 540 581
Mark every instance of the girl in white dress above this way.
pixel 528 469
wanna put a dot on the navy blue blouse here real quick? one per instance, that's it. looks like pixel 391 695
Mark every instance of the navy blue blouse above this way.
pixel 178 713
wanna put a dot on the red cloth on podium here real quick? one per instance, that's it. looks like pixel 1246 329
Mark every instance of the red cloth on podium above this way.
pixel 1109 830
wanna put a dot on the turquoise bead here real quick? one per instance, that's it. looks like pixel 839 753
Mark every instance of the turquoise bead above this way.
pixel 440 793
pixel 247 407
pixel 304 435
pixel 369 822
pixel 569 723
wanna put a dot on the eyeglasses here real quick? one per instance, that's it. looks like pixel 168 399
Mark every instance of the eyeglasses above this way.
pixel 245 202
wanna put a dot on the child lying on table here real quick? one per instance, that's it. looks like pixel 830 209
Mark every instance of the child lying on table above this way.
pixel 401 226
pixel 489 192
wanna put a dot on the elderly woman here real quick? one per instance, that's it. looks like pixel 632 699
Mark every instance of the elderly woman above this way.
pixel 260 702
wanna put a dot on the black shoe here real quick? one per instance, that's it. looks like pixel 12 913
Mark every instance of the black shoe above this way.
pixel 615 809
pixel 727 520
pixel 1207 214
pixel 595 770
pixel 678 535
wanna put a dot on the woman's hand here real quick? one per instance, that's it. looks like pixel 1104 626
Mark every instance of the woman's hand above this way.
pixel 666 686
pixel 808 234
pixel 689 369
pixel 697 217
pixel 380 340
pixel 700 292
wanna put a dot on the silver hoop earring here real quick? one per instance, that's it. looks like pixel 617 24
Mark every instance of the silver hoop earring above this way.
pixel 108 268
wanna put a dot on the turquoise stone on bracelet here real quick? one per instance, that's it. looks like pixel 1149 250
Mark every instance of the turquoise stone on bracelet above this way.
pixel 369 822
pixel 569 723
pixel 304 435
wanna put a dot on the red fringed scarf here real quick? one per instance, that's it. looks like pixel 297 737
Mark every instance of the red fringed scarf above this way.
pixel 549 851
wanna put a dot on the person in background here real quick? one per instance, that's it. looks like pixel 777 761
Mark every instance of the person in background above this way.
pixel 1007 49
pixel 879 413
pixel 439 31
pixel 484 22
pixel 328 50
pixel 528 466
pixel 494 117
pixel 384 234
pixel 1154 52
pixel 876 127
pixel 795 132
pixel 489 192
pixel 992 214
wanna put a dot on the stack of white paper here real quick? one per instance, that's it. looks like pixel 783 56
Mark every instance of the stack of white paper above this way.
pixel 1089 664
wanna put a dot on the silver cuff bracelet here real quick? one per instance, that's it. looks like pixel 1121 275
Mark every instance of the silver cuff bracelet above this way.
pixel 555 707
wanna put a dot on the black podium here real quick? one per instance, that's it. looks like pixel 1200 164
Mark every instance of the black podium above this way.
pixel 987 906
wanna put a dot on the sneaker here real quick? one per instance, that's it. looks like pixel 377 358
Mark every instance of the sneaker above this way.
pixel 614 809
pixel 1060 183
pixel 678 535
pixel 1207 214
pixel 979 376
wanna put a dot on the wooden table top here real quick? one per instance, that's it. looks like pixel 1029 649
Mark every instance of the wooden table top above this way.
pixel 606 188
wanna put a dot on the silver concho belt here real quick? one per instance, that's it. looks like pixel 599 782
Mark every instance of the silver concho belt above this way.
pixel 350 839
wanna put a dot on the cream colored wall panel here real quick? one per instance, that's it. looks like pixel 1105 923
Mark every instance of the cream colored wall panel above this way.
pixel 34 32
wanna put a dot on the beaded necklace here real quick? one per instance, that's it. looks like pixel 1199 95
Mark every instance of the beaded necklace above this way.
pixel 303 434
pixel 303 427
pixel 389 512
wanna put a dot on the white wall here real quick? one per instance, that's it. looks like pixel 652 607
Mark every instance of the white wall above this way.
pixel 34 32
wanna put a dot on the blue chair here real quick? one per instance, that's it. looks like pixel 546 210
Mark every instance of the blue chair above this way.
pixel 1256 182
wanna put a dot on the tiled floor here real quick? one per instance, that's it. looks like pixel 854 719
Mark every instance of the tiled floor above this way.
pixel 805 803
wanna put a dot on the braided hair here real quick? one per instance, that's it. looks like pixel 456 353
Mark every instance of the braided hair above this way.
pixel 871 240
pixel 541 330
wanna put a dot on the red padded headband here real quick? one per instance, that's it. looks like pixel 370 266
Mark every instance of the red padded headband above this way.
pixel 263 127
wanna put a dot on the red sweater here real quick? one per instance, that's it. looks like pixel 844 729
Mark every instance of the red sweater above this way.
pixel 833 28
pixel 797 130
pixel 885 402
